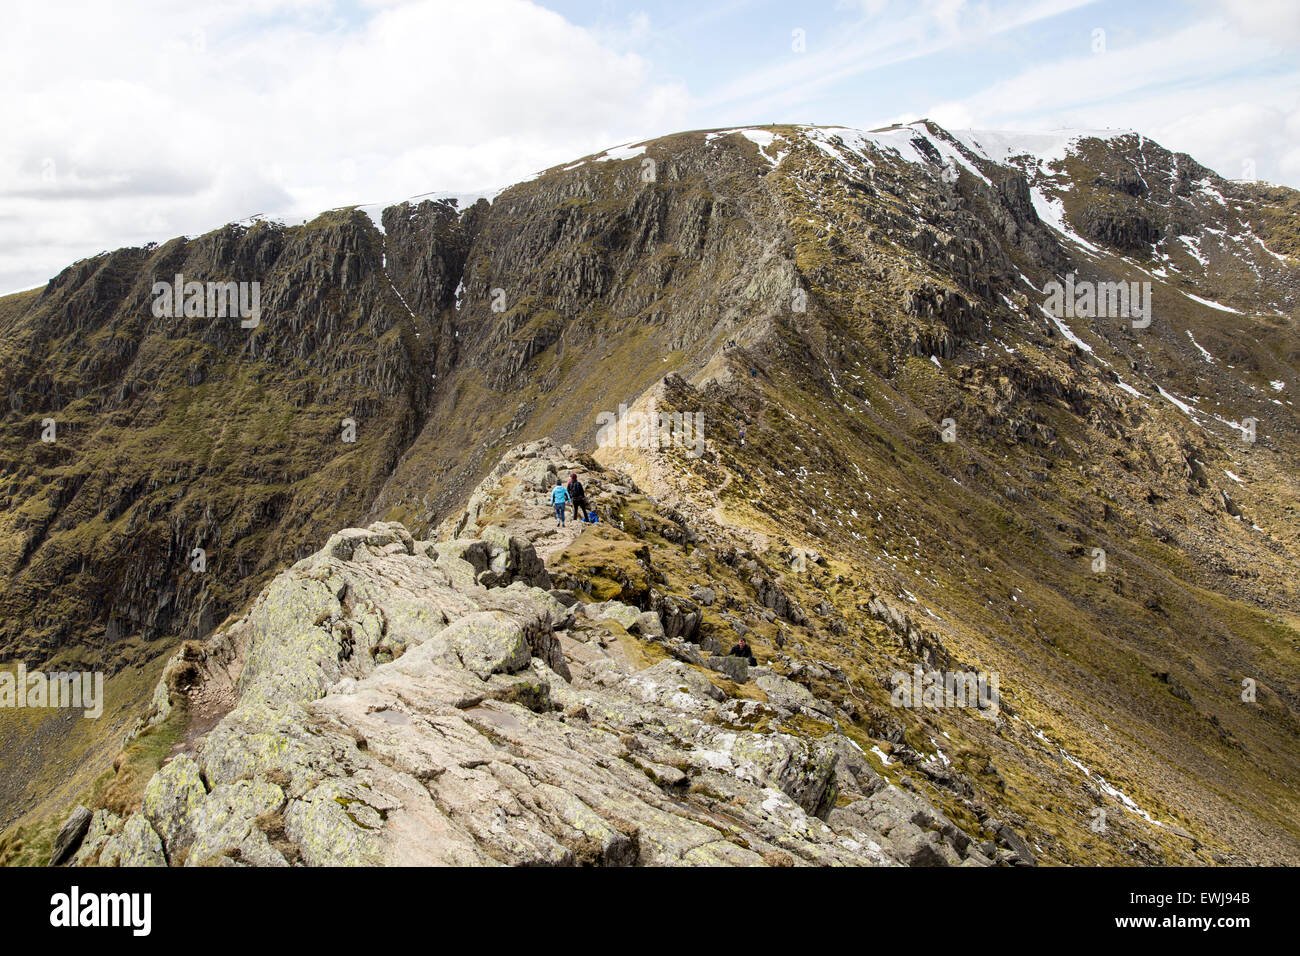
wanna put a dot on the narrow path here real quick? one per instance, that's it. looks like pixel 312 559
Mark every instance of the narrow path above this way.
pixel 554 540
pixel 757 539
pixel 716 511
pixel 539 527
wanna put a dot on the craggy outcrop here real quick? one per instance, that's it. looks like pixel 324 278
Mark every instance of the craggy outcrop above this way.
pixel 390 709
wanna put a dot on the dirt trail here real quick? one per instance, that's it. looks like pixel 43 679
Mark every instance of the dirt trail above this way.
pixel 757 539
pixel 716 511
pixel 551 540
pixel 540 528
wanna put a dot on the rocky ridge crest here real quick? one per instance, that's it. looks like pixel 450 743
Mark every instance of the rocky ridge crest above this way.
pixel 395 701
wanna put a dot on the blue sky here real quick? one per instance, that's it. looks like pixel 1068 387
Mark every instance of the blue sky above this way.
pixel 869 63
pixel 144 119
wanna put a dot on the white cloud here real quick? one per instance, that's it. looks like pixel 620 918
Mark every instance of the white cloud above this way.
pixel 1277 22
pixel 910 32
pixel 1191 90
pixel 142 119
pixel 139 121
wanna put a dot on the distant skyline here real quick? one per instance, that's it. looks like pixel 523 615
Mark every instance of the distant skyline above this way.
pixel 141 120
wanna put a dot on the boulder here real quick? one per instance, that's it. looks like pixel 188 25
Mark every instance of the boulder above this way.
pixel 736 668
pixel 104 824
pixel 489 642
pixel 1013 841
pixel 915 847
pixel 565 597
pixel 704 596
pixel 355 544
pixel 624 614
pixel 648 625
pixel 685 652
pixel 674 685
pixel 137 844
pixel 70 835
pixel 463 559
pixel 711 645
pixel 801 770
pixel 226 826
pixel 786 694
pixel 536 474
pixel 680 617
pixel 170 799
pixel 853 767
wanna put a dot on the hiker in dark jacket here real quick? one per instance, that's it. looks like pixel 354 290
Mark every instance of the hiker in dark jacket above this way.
pixel 578 496
pixel 741 649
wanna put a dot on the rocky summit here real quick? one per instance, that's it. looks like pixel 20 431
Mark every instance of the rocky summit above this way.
pixel 389 700
pixel 983 444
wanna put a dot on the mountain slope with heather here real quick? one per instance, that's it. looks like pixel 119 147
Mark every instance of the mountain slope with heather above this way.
pixel 859 318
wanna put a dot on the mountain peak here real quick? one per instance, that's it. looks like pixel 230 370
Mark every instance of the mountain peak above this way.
pixel 1015 409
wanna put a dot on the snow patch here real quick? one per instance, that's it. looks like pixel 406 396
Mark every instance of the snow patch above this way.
pixel 462 200
pixel 1212 305
pixel 1181 405
pixel 1067 331
pixel 1043 147
pixel 1208 357
pixel 1051 211
pixel 626 151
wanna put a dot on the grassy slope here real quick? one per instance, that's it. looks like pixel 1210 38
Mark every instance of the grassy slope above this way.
pixel 43 791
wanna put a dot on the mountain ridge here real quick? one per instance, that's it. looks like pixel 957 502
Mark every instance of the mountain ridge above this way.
pixel 918 285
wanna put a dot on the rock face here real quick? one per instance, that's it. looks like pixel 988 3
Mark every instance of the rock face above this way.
pixel 140 404
pixel 391 709
pixel 136 844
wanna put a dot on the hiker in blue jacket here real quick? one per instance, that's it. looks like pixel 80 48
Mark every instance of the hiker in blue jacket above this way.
pixel 559 498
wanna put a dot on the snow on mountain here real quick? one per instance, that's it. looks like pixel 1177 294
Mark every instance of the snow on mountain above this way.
pixel 462 200
pixel 1000 146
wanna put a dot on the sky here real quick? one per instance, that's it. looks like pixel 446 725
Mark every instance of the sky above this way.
pixel 140 120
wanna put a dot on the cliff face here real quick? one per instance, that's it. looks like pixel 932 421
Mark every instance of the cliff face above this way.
pixel 179 433
pixel 897 401
pixel 584 287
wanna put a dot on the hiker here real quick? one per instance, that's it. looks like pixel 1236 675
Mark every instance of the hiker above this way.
pixel 559 498
pixel 578 496
pixel 741 649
